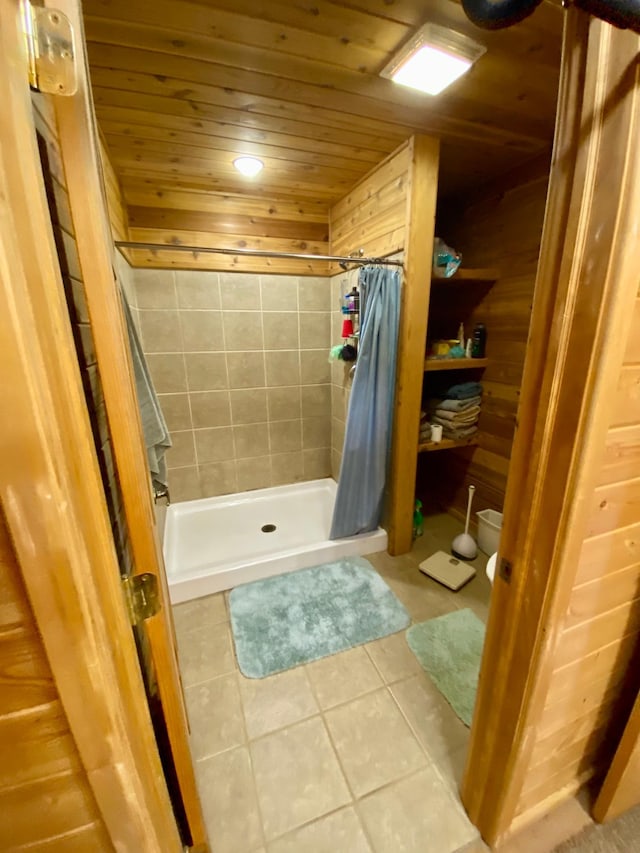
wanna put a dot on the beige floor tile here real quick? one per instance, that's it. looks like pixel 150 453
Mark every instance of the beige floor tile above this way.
pixel 476 846
pixel 275 702
pixel 298 778
pixel 388 566
pixel 451 767
pixel 205 652
pixel 229 801
pixel 373 741
pixel 443 526
pixel 423 598
pixel 426 545
pixel 393 658
pixel 554 828
pixel 416 815
pixel 210 610
pixel 215 716
pixel 342 677
pixel 433 720
pixel 340 832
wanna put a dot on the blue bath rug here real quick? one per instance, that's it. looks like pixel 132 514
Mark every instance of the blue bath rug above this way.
pixel 449 649
pixel 302 616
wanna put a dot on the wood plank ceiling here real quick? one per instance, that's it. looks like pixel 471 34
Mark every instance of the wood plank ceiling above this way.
pixel 182 88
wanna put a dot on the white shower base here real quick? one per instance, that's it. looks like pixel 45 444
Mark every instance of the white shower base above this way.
pixel 217 543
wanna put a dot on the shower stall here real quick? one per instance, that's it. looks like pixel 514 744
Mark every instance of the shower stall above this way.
pixel 257 416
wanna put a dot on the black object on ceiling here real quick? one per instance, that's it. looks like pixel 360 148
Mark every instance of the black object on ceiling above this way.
pixel 497 14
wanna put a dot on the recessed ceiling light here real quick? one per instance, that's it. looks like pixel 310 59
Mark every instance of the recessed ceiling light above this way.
pixel 248 166
pixel 432 59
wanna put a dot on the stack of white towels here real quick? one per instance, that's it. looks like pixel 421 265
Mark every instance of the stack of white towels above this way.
pixel 458 411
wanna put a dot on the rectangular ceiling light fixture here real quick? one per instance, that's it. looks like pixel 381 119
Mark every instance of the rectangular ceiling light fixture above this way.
pixel 432 59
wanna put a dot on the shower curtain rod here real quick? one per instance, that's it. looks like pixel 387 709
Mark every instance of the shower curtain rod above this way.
pixel 256 253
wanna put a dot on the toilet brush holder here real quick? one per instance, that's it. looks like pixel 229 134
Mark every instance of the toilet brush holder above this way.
pixel 464 545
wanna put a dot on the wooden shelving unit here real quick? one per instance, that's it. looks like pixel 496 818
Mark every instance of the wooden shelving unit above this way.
pixel 447 444
pixel 464 276
pixel 431 364
pixel 468 275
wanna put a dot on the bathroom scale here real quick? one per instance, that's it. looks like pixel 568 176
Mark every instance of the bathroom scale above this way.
pixel 447 570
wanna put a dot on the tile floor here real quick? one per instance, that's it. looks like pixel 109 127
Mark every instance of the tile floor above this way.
pixel 356 753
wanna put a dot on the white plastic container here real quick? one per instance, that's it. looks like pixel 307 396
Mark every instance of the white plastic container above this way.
pixel 489 528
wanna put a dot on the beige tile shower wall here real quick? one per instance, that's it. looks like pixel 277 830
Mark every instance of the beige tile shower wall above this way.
pixel 240 363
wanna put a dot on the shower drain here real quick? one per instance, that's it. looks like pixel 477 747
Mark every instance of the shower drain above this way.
pixel 268 528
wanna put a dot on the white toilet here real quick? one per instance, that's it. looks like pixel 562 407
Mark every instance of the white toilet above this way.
pixel 491 566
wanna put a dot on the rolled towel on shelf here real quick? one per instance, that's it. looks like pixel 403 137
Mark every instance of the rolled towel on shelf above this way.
pixel 461 432
pixel 454 405
pixel 464 391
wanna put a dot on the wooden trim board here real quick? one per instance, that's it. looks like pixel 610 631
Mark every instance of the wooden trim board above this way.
pixel 412 339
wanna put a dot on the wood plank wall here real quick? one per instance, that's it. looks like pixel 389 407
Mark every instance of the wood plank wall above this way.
pixel 500 227
pixel 373 216
pixel 115 201
pixel 45 797
pixel 174 215
pixel 228 221
pixel 596 674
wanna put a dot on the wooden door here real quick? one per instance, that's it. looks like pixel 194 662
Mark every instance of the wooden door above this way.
pixel 87 199
pixel 77 140
pixel 621 788
pixel 54 507
pixel 584 302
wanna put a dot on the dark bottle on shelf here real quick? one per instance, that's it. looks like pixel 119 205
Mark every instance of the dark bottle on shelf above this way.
pixel 479 345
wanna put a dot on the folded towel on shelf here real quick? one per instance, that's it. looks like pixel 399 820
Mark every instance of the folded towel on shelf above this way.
pixel 464 391
pixel 454 405
pixel 470 416
pixel 461 432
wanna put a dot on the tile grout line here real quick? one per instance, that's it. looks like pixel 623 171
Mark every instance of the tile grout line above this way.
pixel 264 350
pixel 248 748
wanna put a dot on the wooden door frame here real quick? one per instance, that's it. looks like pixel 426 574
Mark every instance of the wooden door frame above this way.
pixel 586 286
pixel 53 497
pixel 80 150
pixel 420 223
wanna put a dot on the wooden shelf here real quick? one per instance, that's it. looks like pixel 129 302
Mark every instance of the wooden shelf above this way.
pixel 454 363
pixel 469 275
pixel 448 444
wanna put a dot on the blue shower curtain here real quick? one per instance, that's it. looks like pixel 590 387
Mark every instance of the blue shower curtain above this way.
pixel 367 439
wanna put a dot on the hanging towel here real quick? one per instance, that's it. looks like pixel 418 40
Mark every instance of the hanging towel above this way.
pixel 154 428
pixel 464 391
pixel 454 405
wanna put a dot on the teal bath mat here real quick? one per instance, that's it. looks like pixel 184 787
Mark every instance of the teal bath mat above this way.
pixel 282 622
pixel 449 649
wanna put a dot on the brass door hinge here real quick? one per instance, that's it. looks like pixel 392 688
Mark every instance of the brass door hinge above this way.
pixel 50 48
pixel 142 596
